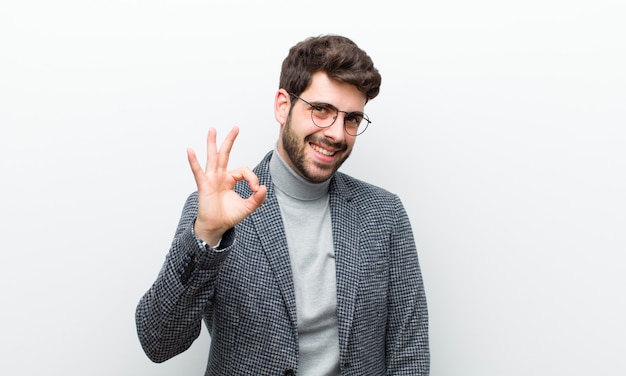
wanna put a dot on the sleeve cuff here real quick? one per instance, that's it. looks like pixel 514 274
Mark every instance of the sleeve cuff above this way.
pixel 225 241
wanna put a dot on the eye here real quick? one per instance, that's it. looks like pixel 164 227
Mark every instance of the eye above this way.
pixel 354 118
pixel 321 109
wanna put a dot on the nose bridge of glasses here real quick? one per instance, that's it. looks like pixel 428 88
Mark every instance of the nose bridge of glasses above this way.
pixel 345 114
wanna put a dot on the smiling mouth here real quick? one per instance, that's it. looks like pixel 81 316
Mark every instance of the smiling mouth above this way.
pixel 323 151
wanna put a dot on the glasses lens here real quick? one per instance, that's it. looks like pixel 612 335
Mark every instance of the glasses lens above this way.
pixel 352 123
pixel 323 115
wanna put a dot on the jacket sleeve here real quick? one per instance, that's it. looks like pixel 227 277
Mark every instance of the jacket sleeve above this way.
pixel 407 329
pixel 169 315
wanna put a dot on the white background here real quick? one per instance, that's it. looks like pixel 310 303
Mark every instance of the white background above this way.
pixel 500 124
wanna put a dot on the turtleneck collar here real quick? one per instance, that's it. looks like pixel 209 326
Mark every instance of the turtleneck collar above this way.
pixel 293 185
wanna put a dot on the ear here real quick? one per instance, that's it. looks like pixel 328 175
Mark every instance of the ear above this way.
pixel 282 105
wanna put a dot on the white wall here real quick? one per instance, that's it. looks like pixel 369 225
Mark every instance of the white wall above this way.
pixel 500 124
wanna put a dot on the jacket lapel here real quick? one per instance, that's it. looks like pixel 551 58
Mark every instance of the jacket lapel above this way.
pixel 269 226
pixel 345 218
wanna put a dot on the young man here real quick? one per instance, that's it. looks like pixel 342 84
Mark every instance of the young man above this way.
pixel 296 269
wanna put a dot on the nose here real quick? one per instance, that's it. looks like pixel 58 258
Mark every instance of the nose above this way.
pixel 336 130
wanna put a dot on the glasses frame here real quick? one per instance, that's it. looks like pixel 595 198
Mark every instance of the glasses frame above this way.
pixel 365 122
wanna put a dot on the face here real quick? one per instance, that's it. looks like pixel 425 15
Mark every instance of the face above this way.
pixel 316 153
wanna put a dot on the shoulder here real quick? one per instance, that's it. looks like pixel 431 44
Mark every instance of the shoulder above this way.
pixel 379 211
pixel 364 193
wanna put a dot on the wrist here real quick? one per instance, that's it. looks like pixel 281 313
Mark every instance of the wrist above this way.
pixel 210 238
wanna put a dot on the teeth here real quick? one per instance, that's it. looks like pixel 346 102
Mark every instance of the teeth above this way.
pixel 323 151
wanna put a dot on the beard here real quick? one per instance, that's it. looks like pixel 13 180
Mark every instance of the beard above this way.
pixel 295 149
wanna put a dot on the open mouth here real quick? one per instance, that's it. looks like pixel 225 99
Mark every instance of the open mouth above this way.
pixel 326 152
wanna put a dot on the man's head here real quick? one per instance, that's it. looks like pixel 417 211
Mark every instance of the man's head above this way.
pixel 322 73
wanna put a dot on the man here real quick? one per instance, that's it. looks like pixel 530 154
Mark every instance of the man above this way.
pixel 294 267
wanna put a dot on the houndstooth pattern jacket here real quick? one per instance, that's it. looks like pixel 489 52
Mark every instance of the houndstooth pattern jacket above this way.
pixel 245 292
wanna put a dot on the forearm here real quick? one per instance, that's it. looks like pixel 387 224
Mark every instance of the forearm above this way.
pixel 169 315
pixel 408 350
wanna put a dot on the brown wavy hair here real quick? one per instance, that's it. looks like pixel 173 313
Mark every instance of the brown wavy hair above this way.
pixel 339 57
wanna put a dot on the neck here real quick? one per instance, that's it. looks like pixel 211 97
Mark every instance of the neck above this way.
pixel 289 182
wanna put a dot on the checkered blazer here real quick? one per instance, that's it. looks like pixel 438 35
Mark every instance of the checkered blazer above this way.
pixel 245 292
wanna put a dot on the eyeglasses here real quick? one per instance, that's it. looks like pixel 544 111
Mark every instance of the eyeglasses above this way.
pixel 324 115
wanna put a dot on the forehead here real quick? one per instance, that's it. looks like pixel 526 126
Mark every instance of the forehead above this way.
pixel 340 94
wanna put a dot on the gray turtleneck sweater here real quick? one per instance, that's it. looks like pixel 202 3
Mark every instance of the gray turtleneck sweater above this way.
pixel 306 217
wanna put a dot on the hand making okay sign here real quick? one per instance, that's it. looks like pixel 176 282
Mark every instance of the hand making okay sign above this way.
pixel 219 207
